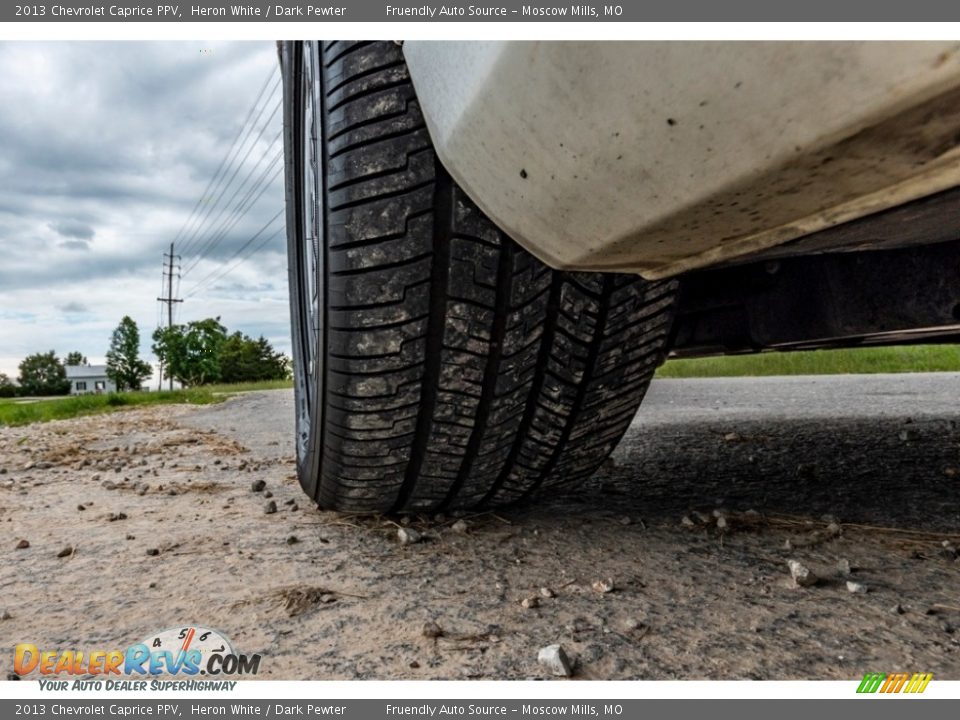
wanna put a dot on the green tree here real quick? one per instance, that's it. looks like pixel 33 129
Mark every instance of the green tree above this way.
pixel 43 374
pixel 243 359
pixel 7 387
pixel 124 365
pixel 75 358
pixel 191 353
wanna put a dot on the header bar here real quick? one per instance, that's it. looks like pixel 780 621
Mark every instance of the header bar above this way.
pixel 321 11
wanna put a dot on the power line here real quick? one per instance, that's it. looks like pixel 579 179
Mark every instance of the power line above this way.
pixel 216 235
pixel 218 274
pixel 195 233
pixel 223 162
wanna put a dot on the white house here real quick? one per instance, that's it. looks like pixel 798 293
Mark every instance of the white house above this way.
pixel 87 379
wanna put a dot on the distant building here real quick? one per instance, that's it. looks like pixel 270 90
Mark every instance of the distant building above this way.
pixel 89 379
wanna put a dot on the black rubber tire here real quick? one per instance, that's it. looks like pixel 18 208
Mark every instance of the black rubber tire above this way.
pixel 440 364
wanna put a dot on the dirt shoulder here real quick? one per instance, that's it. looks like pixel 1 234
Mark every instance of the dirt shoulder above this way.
pixel 157 508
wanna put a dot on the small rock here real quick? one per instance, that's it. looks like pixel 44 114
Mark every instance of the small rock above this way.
pixel 142 488
pixel 405 520
pixel 109 485
pixel 29 466
pixel 625 520
pixel 843 567
pixel 554 658
pixel 431 629
pixel 856 587
pixel 632 624
pixel 153 552
pixel 731 437
pixel 801 574
pixel 530 602
pixel 270 508
pixel 81 507
pixel 909 435
pixel 96 478
pixel 687 522
pixel 408 536
pixel 294 507
pixel 268 494
pixel 5 615
pixel 547 592
pixel 833 530
pixel 603 586
pixel 293 540
pixel 722 524
pixel 113 517
pixel 258 485
pixel 414 664
pixel 897 609
pixel 66 552
pixel 23 545
pixel 460 526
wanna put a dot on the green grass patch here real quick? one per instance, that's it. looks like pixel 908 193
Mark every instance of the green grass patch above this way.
pixel 907 358
pixel 24 412
pixel 17 411
pixel 251 386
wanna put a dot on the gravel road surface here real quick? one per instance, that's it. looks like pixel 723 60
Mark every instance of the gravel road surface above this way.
pixel 671 563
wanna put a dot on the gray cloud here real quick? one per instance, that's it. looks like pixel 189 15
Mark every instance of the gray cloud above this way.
pixel 74 307
pixel 106 149
pixel 73 229
pixel 75 244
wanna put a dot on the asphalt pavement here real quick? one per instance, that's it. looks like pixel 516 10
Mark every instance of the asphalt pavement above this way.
pixel 879 449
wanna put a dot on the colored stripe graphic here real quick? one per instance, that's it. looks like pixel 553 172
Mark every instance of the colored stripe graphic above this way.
pixel 894 683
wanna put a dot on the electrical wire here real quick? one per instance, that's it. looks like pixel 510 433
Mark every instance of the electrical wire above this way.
pixel 223 187
pixel 219 273
pixel 223 162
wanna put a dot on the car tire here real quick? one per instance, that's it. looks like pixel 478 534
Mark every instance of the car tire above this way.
pixel 437 364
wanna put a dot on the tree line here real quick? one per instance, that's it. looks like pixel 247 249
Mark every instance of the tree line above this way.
pixel 197 353
pixel 201 352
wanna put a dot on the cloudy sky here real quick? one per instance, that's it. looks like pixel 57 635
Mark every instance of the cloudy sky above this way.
pixel 105 150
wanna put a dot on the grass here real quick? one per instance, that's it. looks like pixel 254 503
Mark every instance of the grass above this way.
pixel 907 358
pixel 20 412
pixel 251 386
pixel 25 411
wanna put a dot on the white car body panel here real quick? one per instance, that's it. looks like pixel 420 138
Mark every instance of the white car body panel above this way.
pixel 661 157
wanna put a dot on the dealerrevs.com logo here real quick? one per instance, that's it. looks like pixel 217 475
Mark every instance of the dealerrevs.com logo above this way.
pixel 185 651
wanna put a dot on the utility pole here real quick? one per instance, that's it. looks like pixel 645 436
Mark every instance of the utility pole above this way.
pixel 169 299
